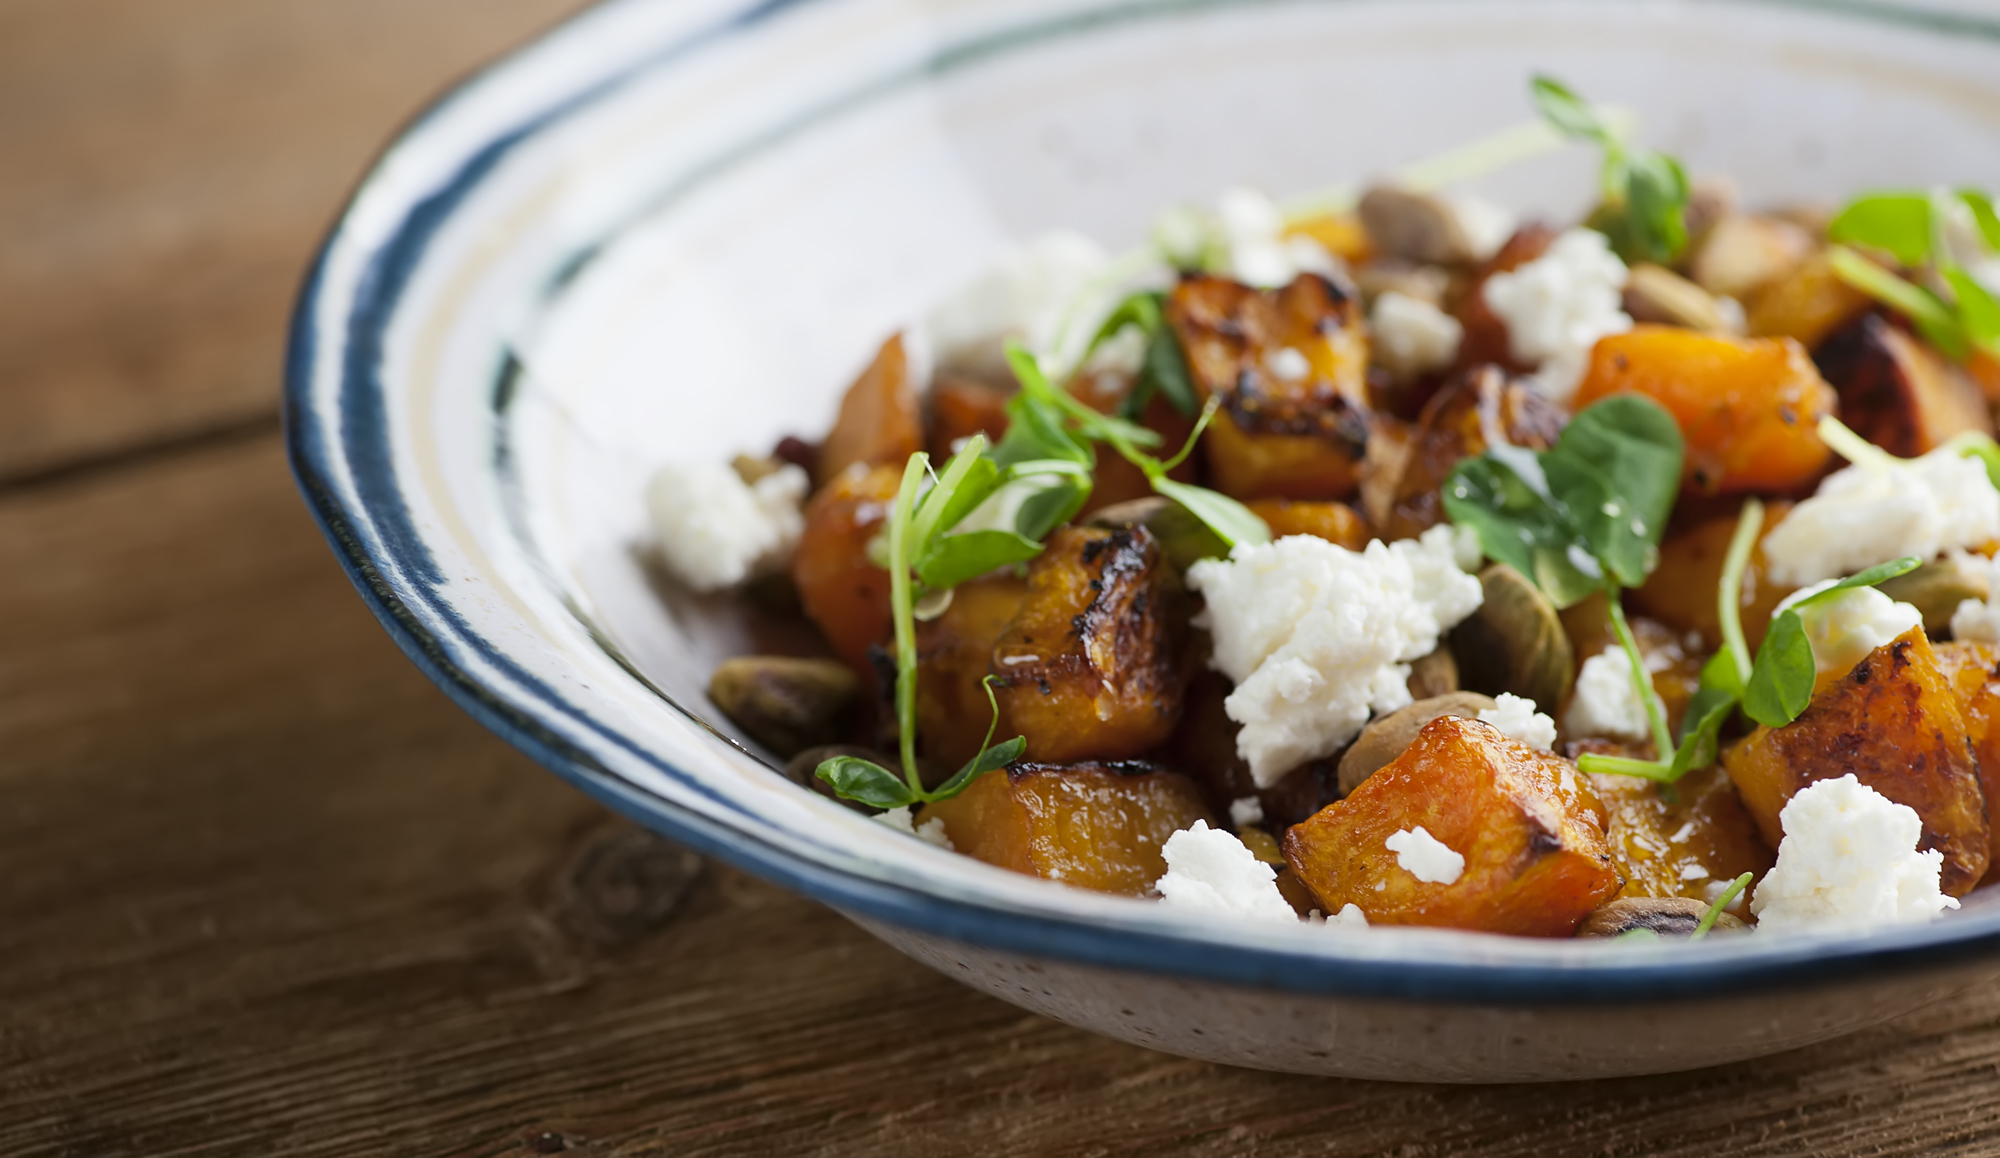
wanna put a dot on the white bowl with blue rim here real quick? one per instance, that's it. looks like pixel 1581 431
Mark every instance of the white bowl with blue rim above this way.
pixel 674 229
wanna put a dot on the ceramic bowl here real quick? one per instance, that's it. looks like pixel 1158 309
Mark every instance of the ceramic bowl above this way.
pixel 676 229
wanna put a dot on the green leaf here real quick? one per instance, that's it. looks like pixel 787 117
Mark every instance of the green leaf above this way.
pixel 1519 524
pixel 1656 197
pixel 1983 216
pixel 1781 681
pixel 1036 432
pixel 954 559
pixel 969 479
pixel 998 756
pixel 1616 469
pixel 1978 313
pixel 1720 674
pixel 1229 519
pixel 1567 111
pixel 1701 730
pixel 1897 222
pixel 853 778
pixel 1051 507
pixel 1933 318
pixel 1879 573
pixel 1166 370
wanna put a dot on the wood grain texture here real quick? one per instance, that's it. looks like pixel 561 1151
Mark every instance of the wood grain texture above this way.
pixel 263 890
pixel 166 170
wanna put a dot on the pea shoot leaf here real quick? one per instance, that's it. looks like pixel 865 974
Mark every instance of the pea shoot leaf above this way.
pixel 1231 521
pixel 1644 213
pixel 1701 730
pixel 1616 469
pixel 1781 680
pixel 853 778
pixel 1568 112
pixel 1166 371
pixel 1983 215
pixel 1519 524
pixel 954 559
pixel 997 756
pixel 1897 222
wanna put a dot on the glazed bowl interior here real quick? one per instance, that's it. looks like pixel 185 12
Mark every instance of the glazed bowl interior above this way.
pixel 675 230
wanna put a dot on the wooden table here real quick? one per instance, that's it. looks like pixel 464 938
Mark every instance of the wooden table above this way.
pixel 262 889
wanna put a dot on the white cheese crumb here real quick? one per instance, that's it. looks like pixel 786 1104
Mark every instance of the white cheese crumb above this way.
pixel 930 831
pixel 1486 226
pixel 1025 294
pixel 1251 235
pixel 1845 627
pixel 1557 306
pixel 714 530
pixel 1287 364
pixel 1317 637
pixel 1350 916
pixel 1412 337
pixel 1122 353
pixel 1518 718
pixel 1605 703
pixel 1868 514
pixel 1979 619
pixel 1425 857
pixel 1246 810
pixel 1211 870
pixel 1849 859
pixel 1693 872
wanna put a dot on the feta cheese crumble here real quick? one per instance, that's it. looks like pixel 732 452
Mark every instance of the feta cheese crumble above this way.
pixel 1844 628
pixel 1210 870
pixel 1411 336
pixel 1871 513
pixel 1425 857
pixel 1246 810
pixel 1317 637
pixel 1606 704
pixel 1257 252
pixel 930 831
pixel 1517 717
pixel 714 530
pixel 1849 859
pixel 1557 306
pixel 1026 294
pixel 1485 225
pixel 1350 916
pixel 1979 619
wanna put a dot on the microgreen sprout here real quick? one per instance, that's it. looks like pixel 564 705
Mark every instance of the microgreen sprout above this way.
pixel 1729 894
pixel 1164 369
pixel 1951 308
pixel 1644 212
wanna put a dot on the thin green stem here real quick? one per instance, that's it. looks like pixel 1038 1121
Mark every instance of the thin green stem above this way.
pixel 1889 289
pixel 1729 595
pixel 1642 680
pixel 1722 902
pixel 1625 766
pixel 1153 467
pixel 902 608
pixel 1852 447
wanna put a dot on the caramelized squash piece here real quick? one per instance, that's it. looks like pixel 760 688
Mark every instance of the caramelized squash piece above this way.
pixel 1680 593
pixel 1096 826
pixel 954 656
pixel 1974 671
pixel 1897 392
pixel 1806 304
pixel 1748 408
pixel 1681 848
pixel 1894 722
pixel 1479 410
pixel 961 408
pixel 879 420
pixel 841 590
pixel 1092 661
pixel 1529 828
pixel 1337 523
pixel 1291 368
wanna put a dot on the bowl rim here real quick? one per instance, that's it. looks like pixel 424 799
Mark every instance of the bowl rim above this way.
pixel 356 437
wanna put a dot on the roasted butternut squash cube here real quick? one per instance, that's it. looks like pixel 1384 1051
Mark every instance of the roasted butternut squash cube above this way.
pixel 842 591
pixel 1529 830
pixel 1894 722
pixel 1402 491
pixel 1096 826
pixel 879 419
pixel 1806 304
pixel 1337 523
pixel 1291 367
pixel 1748 408
pixel 1091 663
pixel 1974 671
pixel 1897 392
pixel 961 408
pixel 1684 847
pixel 954 656
pixel 1681 592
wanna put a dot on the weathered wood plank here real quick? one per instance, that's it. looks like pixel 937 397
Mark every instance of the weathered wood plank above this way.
pixel 165 171
pixel 262 889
